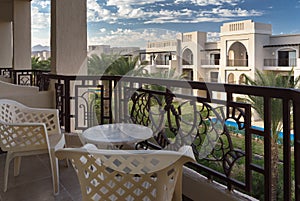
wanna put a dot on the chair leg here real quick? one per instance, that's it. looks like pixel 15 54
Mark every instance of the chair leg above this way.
pixel 17 164
pixel 67 163
pixel 177 196
pixel 54 170
pixel 6 169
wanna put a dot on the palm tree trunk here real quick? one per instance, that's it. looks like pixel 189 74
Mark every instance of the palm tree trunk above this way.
pixel 275 171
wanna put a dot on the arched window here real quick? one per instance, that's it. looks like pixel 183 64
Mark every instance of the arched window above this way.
pixel 242 79
pixel 231 78
pixel 237 55
pixel 187 57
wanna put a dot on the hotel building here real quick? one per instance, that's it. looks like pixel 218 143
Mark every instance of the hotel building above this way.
pixel 243 47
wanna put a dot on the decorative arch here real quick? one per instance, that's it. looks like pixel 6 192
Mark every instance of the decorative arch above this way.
pixel 231 78
pixel 237 55
pixel 242 79
pixel 187 57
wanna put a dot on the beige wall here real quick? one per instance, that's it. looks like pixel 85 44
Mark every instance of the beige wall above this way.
pixel 195 41
pixel 28 95
pixel 197 187
pixel 22 34
pixel 68 37
pixel 5 44
pixel 5 10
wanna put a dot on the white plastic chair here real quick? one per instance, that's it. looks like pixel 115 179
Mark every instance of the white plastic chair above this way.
pixel 128 174
pixel 28 131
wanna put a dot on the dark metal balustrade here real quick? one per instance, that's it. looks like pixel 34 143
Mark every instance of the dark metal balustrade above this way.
pixel 5 72
pixel 188 112
pixel 210 61
pixel 25 77
pixel 280 62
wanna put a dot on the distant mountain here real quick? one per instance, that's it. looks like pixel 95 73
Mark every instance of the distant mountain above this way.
pixel 38 48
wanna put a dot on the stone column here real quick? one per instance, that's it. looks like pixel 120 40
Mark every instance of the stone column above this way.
pixel 68 37
pixel 6 44
pixel 21 34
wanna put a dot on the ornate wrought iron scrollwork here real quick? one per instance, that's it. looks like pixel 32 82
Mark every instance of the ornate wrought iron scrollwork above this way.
pixel 146 109
pixel 88 100
pixel 25 79
pixel 42 81
pixel 213 141
pixel 204 127
pixel 181 122
pixel 59 94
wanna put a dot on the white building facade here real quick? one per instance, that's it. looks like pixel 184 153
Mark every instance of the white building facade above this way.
pixel 243 47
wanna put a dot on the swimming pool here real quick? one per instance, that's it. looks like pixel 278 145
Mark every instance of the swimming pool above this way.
pixel 234 124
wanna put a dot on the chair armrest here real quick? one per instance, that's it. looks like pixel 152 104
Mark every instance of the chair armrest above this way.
pixel 49 117
pixel 187 151
pixel 23 136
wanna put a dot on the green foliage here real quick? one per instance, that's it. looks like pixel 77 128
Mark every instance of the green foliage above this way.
pixel 114 65
pixel 127 66
pixel 38 64
pixel 100 65
pixel 164 74
pixel 271 79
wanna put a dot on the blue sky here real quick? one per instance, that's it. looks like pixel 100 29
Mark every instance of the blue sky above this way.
pixel 134 22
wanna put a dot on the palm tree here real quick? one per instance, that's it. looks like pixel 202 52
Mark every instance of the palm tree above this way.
pixel 271 79
pixel 100 65
pixel 170 74
pixel 127 66
pixel 113 65
pixel 35 62
pixel 38 64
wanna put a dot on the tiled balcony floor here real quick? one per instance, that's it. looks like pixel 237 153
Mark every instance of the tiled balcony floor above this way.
pixel 35 183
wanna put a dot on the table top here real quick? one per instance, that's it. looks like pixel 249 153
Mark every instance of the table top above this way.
pixel 116 134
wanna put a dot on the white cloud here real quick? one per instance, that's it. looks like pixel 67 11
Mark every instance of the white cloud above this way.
pixel 210 2
pixel 237 12
pixel 38 40
pixel 128 37
pixel 41 3
pixel 96 13
pixel 39 20
pixel 134 10
pixel 131 2
pixel 102 30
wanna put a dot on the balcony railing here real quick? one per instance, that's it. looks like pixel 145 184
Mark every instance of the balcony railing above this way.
pixel 162 62
pixel 195 113
pixel 5 72
pixel 237 62
pixel 24 77
pixel 178 115
pixel 280 62
pixel 210 62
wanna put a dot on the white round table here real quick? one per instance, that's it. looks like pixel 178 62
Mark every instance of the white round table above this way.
pixel 112 135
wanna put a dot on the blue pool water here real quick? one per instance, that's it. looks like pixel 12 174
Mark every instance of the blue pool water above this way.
pixel 234 124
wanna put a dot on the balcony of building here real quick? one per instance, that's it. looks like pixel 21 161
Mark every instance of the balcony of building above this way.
pixel 210 63
pixel 223 130
pixel 280 64
pixel 237 62
pixel 237 55
pixel 212 59
pixel 158 60
pixel 281 57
